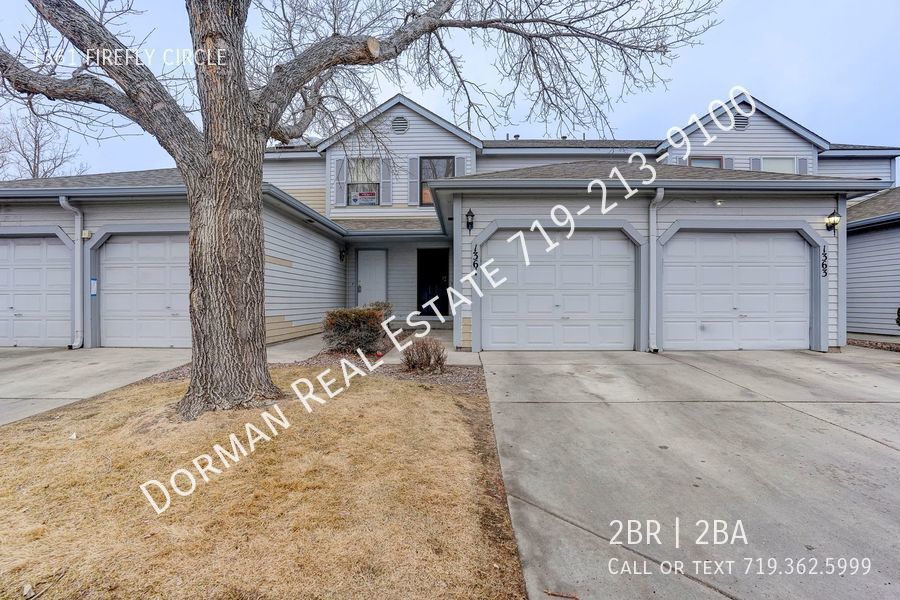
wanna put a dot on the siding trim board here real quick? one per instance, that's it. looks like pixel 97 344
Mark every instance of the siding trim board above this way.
pixel 818 318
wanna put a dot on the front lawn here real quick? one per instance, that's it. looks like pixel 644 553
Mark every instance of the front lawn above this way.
pixel 391 490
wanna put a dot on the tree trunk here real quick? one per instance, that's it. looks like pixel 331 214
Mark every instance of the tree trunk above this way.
pixel 228 368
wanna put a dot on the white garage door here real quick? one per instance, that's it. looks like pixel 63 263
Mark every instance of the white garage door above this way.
pixel 736 291
pixel 35 283
pixel 580 296
pixel 144 288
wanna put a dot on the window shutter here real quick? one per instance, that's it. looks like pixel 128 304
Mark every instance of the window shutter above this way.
pixel 386 194
pixel 459 169
pixel 756 164
pixel 340 182
pixel 414 189
pixel 802 166
pixel 728 163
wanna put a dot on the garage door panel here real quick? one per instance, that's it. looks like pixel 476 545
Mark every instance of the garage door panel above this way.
pixel 539 276
pixel 716 275
pixel 144 291
pixel 716 249
pixel 580 296
pixel 753 296
pixel 680 275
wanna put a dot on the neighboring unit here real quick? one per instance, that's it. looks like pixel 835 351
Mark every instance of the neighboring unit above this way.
pixel 730 248
pixel 873 261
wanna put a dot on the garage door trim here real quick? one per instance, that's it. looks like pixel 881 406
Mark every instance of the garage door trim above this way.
pixel 818 317
pixel 92 266
pixel 641 303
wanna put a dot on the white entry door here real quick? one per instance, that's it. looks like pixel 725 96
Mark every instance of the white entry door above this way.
pixel 736 291
pixel 371 285
pixel 579 296
pixel 35 284
pixel 144 287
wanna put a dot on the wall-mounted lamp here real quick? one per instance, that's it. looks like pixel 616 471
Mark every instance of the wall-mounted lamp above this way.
pixel 719 202
pixel 832 220
pixel 470 220
pixel 342 254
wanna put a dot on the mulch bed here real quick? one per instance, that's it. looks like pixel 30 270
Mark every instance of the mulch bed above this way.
pixel 890 346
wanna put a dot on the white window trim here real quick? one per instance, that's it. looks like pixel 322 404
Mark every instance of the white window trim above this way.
pixel 366 207
pixel 762 163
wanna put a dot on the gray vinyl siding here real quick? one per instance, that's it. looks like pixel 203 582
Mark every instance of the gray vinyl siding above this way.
pixel 873 284
pixel 764 137
pixel 313 283
pixel 866 168
pixel 490 164
pixel 302 178
pixel 423 138
pixel 33 215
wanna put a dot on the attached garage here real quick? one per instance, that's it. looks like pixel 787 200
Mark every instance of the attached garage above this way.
pixel 143 291
pixel 580 296
pixel 736 291
pixel 35 279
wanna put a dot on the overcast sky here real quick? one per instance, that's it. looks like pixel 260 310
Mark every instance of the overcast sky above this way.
pixel 829 64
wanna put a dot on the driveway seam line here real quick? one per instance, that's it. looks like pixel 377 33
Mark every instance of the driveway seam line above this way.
pixel 623 546
pixel 780 403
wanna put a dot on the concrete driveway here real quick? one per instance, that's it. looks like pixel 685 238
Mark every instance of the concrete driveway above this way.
pixel 801 448
pixel 33 380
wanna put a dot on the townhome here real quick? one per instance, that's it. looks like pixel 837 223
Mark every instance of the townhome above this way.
pixel 739 244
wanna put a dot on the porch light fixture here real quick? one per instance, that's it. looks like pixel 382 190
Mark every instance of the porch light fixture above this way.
pixel 342 254
pixel 832 220
pixel 470 220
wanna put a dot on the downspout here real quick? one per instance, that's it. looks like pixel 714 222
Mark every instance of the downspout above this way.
pixel 654 235
pixel 78 340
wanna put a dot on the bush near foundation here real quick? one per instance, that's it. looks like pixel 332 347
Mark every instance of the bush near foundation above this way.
pixel 426 355
pixel 347 329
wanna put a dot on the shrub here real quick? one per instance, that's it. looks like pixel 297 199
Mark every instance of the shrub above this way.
pixel 426 355
pixel 384 306
pixel 347 329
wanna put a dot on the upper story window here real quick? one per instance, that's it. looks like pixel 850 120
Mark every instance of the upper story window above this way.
pixel 779 164
pixel 434 167
pixel 363 181
pixel 713 162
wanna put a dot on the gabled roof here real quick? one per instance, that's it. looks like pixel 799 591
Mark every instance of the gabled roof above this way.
pixel 547 143
pixel 761 107
pixel 882 208
pixel 401 100
pixel 578 174
pixel 147 178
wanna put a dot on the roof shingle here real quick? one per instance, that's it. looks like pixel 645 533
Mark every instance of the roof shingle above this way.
pixel 148 178
pixel 879 205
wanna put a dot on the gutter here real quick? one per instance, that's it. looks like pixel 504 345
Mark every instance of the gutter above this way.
pixel 78 259
pixel 654 251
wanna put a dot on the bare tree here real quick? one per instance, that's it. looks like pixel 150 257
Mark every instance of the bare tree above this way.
pixel 311 70
pixel 35 148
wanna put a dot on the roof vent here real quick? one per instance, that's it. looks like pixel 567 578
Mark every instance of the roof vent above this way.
pixel 516 136
pixel 400 125
pixel 562 137
pixel 741 122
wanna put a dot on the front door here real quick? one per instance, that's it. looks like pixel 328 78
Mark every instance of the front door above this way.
pixel 432 279
pixel 371 283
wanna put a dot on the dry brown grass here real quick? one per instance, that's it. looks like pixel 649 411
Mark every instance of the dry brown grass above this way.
pixel 389 491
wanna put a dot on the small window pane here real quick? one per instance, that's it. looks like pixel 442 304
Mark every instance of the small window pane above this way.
pixel 434 168
pixel 713 163
pixel 363 170
pixel 778 165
